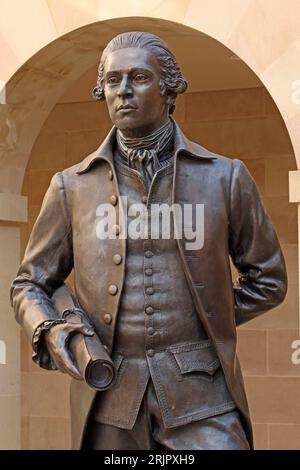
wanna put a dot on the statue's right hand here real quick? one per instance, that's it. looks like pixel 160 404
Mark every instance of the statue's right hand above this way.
pixel 57 340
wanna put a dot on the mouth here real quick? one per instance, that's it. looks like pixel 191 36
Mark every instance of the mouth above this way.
pixel 125 107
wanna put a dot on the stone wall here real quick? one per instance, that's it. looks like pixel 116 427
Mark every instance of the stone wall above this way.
pixel 9 344
pixel 242 124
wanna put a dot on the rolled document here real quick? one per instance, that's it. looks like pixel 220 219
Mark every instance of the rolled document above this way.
pixel 92 359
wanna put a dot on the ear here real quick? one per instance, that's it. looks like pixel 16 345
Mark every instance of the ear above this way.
pixel 169 99
pixel 170 102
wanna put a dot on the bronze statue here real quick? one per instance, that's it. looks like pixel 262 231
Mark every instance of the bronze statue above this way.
pixel 164 309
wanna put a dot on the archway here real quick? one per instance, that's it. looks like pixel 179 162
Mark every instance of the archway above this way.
pixel 36 116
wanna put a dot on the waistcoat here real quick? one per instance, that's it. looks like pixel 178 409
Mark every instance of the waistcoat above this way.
pixel 158 332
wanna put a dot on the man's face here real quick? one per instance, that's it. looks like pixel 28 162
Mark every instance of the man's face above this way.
pixel 132 91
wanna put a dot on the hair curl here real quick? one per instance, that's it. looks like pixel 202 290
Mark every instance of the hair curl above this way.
pixel 171 81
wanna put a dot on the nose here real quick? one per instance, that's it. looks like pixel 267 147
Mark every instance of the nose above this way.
pixel 125 88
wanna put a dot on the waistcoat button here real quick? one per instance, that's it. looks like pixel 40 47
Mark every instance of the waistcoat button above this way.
pixel 149 290
pixel 107 318
pixel 110 175
pixel 114 199
pixel 150 330
pixel 148 254
pixel 117 259
pixel 149 271
pixel 150 352
pixel 149 310
pixel 112 289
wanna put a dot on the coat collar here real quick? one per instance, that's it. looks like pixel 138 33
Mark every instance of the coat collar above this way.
pixel 181 144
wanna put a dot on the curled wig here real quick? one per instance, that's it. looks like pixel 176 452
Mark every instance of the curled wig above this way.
pixel 171 81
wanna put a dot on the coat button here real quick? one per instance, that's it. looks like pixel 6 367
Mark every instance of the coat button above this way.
pixel 117 259
pixel 150 330
pixel 144 199
pixel 150 352
pixel 149 310
pixel 149 290
pixel 113 289
pixel 116 229
pixel 110 175
pixel 149 271
pixel 113 199
pixel 148 254
pixel 107 318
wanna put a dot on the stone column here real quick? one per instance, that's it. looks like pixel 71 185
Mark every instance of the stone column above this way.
pixel 294 196
pixel 13 211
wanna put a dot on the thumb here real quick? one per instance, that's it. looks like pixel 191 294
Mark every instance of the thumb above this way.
pixel 85 330
pixel 88 332
pixel 80 328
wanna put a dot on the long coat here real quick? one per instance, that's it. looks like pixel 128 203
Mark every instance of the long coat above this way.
pixel 235 226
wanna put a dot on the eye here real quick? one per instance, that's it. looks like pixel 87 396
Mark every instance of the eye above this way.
pixel 140 77
pixel 112 80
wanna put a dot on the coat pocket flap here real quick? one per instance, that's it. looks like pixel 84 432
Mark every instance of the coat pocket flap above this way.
pixel 197 357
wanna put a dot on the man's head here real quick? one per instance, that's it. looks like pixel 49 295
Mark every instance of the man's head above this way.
pixel 139 78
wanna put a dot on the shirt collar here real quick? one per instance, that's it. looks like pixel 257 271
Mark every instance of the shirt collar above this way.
pixel 181 144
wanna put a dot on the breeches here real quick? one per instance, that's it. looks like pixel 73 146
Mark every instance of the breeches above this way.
pixel 221 432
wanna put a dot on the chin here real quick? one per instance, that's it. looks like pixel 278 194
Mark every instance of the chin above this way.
pixel 127 124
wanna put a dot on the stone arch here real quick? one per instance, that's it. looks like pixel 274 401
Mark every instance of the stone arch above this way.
pixel 28 105
pixel 34 89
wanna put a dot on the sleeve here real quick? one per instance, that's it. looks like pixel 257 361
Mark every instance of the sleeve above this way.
pixel 40 354
pixel 47 262
pixel 254 249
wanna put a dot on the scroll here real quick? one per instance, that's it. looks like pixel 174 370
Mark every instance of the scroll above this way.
pixel 90 355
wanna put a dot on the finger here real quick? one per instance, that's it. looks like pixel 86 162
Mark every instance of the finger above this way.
pixel 67 365
pixel 81 328
pixel 88 332
pixel 72 370
pixel 57 364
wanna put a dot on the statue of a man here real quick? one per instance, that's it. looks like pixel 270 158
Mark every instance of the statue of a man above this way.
pixel 164 307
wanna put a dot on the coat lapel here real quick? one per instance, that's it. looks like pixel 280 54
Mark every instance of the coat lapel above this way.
pixel 181 144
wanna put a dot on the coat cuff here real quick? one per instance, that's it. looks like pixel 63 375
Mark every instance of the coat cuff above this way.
pixel 41 356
